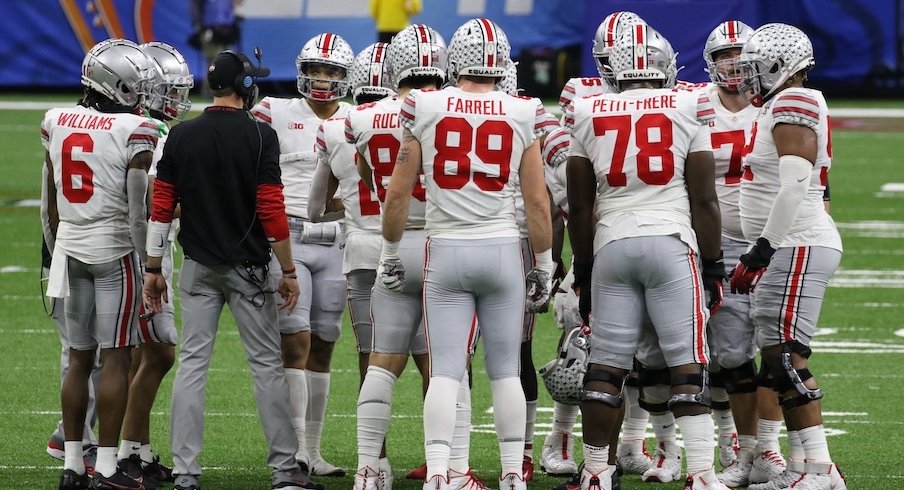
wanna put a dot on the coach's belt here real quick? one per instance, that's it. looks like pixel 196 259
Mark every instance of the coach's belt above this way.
pixel 310 232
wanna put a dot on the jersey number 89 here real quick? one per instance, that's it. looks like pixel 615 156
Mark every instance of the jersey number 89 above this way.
pixel 491 143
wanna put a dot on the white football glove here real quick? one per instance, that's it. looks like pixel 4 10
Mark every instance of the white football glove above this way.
pixel 539 282
pixel 390 271
pixel 566 312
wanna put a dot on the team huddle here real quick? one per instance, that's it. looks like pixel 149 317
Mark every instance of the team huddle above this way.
pixel 435 207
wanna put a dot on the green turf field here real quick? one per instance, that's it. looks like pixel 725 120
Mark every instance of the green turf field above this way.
pixel 859 348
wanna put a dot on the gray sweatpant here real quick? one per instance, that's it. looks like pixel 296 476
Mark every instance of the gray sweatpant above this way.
pixel 251 298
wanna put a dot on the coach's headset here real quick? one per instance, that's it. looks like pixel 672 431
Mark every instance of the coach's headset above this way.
pixel 245 83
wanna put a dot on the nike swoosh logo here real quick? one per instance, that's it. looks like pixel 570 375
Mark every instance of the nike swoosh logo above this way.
pixel 802 179
pixel 161 242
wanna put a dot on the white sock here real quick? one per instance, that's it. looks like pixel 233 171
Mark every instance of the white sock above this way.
pixel 439 424
pixel 633 410
pixel 75 457
pixel 596 458
pixel 374 413
pixel 725 422
pixel 813 440
pixel 795 448
pixel 746 448
pixel 128 448
pixel 664 426
pixel 697 431
pixel 461 437
pixel 146 453
pixel 530 420
pixel 106 460
pixel 318 397
pixel 767 434
pixel 509 414
pixel 298 406
pixel 564 417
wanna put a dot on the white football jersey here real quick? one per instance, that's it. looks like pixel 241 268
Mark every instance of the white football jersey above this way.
pixel 638 141
pixel 555 155
pixel 471 145
pixel 296 126
pixel 376 131
pixel 362 209
pixel 730 132
pixel 578 87
pixel 90 152
pixel 760 182
pixel 546 126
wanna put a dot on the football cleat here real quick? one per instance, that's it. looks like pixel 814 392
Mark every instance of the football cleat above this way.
pixel 466 481
pixel 737 474
pixel 419 473
pixel 512 481
pixel 385 470
pixel 186 482
pixel 635 463
pixel 70 480
pixel 118 481
pixel 527 468
pixel 368 478
pixel 767 465
pixel 319 467
pixel 157 471
pixel 705 480
pixel 557 456
pixel 728 448
pixel 666 465
pixel 438 482
pixel 595 481
pixel 56 447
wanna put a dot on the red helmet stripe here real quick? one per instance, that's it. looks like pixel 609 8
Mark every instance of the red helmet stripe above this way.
pixel 640 38
pixel 376 58
pixel 423 38
pixel 489 37
pixel 610 29
pixel 326 44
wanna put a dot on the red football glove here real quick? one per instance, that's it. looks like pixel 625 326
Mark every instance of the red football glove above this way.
pixel 746 275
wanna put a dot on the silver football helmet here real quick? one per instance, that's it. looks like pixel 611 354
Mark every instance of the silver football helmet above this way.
pixel 642 54
pixel 509 84
pixel 417 51
pixel 727 35
pixel 564 375
pixel 172 82
pixel 607 34
pixel 773 54
pixel 370 76
pixel 328 49
pixel 479 48
pixel 119 70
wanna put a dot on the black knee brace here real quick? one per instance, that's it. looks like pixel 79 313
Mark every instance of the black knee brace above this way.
pixel 717 380
pixel 794 379
pixel 601 396
pixel 700 398
pixel 741 379
pixel 648 377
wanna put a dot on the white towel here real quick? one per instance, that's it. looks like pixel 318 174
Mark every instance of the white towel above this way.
pixel 58 280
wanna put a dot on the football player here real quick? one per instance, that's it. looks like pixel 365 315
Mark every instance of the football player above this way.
pixel 97 159
pixel 310 332
pixel 469 140
pixel 796 246
pixel 641 161
pixel 166 101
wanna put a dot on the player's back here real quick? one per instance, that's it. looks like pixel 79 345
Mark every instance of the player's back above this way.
pixel 376 131
pixel 90 152
pixel 471 144
pixel 761 182
pixel 638 142
pixel 362 210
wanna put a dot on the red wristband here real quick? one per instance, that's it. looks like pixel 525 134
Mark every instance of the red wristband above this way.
pixel 288 271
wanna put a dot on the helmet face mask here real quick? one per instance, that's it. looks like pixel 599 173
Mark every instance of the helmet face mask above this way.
pixel 773 54
pixel 172 82
pixel 729 35
pixel 417 51
pixel 119 70
pixel 479 48
pixel 607 34
pixel 323 67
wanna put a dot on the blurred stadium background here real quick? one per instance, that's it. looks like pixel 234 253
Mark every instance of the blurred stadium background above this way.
pixel 859 44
